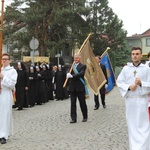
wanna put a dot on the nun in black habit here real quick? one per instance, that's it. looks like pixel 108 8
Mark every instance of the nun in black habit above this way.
pixel 41 96
pixel 21 87
pixel 60 77
pixel 31 87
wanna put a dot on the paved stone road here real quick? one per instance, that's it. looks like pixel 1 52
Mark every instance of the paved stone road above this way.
pixel 47 127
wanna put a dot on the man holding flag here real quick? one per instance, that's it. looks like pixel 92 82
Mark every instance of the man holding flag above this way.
pixel 103 89
pixel 77 89
pixel 92 73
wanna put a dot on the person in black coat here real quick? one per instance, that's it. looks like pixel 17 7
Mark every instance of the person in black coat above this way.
pixel 77 89
pixel 102 90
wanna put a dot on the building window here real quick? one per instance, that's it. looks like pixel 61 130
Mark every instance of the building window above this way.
pixel 148 42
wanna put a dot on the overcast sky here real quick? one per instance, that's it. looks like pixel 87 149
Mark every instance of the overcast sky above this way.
pixel 135 14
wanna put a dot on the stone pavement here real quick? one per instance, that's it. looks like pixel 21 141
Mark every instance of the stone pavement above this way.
pixel 47 127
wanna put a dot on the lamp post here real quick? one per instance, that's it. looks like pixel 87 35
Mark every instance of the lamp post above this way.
pixel 1 30
pixel 140 39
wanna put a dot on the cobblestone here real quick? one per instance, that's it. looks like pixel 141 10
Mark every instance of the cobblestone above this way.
pixel 47 127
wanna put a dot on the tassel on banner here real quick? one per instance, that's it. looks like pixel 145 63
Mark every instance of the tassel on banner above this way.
pixel 149 105
pixel 149 112
pixel 14 96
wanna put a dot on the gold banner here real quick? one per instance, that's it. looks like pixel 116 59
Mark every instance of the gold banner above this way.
pixel 36 59
pixel 94 74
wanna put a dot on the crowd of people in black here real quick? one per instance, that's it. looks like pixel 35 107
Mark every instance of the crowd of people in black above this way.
pixel 38 84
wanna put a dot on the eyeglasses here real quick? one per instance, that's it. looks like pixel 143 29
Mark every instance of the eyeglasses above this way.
pixel 5 58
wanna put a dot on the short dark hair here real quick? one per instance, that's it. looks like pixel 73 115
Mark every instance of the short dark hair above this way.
pixel 136 48
pixel 5 54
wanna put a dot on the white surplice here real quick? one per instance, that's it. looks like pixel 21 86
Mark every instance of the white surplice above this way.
pixel 136 105
pixel 148 64
pixel 6 100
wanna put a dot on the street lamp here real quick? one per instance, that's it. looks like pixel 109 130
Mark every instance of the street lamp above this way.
pixel 1 30
pixel 140 39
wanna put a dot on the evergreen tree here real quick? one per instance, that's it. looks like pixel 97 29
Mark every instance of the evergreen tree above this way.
pixel 61 24
pixel 56 24
pixel 107 28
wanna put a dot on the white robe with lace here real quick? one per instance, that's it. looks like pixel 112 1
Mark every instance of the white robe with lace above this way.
pixel 136 105
pixel 6 100
pixel 148 64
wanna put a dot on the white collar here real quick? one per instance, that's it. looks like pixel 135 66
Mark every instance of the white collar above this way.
pixel 77 64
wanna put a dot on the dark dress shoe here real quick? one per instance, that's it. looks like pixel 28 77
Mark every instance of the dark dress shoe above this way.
pixel 3 140
pixel 73 121
pixel 39 104
pixel 104 106
pixel 20 108
pixel 95 108
pixel 84 120
pixel 14 106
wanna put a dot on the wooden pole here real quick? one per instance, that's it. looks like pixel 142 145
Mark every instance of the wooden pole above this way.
pixel 78 53
pixel 1 31
pixel 105 52
pixel 1 36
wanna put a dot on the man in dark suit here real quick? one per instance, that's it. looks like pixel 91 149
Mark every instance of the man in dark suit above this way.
pixel 102 90
pixel 76 89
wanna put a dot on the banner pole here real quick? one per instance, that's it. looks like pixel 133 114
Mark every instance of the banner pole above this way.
pixel 105 52
pixel 1 35
pixel 1 30
pixel 78 53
